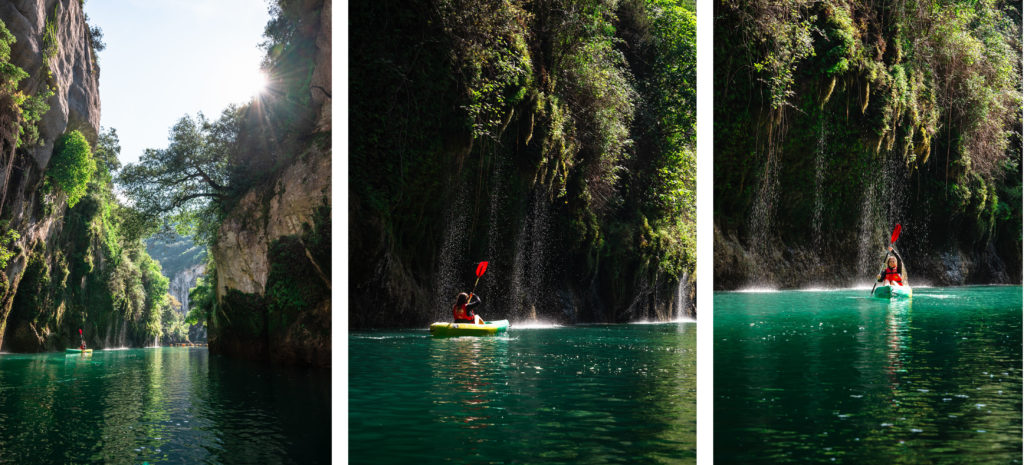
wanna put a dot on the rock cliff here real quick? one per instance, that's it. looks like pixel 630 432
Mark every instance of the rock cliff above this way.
pixel 75 105
pixel 184 281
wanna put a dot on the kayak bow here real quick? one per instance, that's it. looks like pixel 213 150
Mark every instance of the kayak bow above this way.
pixel 893 292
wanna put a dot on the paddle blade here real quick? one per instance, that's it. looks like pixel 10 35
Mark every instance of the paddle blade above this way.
pixel 480 269
pixel 896 233
pixel 79 331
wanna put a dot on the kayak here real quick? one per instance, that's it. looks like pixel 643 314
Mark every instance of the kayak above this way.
pixel 489 328
pixel 78 351
pixel 894 292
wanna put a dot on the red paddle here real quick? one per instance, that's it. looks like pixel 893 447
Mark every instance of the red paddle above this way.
pixel 480 269
pixel 892 239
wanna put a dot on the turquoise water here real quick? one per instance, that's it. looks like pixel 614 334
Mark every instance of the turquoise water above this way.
pixel 838 377
pixel 162 405
pixel 585 394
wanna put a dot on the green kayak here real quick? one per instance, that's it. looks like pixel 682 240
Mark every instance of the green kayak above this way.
pixel 489 328
pixel 894 292
pixel 78 351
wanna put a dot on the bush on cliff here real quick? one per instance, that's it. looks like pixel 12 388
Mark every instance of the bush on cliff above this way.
pixel 72 166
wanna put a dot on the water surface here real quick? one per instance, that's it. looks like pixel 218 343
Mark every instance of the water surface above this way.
pixel 585 394
pixel 839 377
pixel 160 405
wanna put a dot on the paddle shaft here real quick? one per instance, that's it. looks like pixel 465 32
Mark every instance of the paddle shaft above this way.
pixel 879 272
pixel 474 287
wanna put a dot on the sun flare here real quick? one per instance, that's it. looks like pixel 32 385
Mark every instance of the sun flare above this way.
pixel 259 84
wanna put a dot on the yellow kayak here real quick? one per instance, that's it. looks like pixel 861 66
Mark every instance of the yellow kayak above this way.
pixel 489 328
pixel 78 351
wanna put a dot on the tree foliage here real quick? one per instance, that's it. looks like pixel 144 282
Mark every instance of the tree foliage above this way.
pixel 72 166
pixel 187 181
pixel 203 298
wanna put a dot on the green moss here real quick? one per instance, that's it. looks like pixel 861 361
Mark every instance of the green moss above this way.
pixel 299 269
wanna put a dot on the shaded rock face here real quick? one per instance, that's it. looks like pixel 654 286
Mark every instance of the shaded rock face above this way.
pixel 798 266
pixel 75 105
pixel 265 233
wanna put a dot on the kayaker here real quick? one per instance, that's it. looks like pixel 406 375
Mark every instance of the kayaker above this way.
pixel 83 338
pixel 462 311
pixel 892 275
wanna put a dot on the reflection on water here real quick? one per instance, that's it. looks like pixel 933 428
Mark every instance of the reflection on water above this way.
pixel 464 375
pixel 168 405
pixel 804 377
pixel 595 394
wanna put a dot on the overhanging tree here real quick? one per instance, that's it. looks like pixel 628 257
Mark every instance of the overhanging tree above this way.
pixel 187 182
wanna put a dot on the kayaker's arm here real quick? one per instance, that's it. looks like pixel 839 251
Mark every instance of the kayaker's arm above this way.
pixel 895 252
pixel 473 302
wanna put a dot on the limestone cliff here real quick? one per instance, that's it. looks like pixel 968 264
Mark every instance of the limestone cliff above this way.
pixel 273 248
pixel 182 262
pixel 183 281
pixel 73 76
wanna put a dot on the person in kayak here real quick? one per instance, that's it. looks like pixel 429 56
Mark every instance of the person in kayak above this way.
pixel 463 312
pixel 892 275
pixel 82 347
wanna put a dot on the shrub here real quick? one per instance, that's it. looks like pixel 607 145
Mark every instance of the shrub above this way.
pixel 72 166
pixel 51 44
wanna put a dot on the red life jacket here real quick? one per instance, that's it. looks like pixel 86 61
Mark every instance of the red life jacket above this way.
pixel 459 312
pixel 893 276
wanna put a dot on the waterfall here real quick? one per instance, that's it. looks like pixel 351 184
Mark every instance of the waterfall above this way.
pixel 819 180
pixel 682 296
pixel 884 205
pixel 122 339
pixel 538 250
pixel 494 289
pixel 447 278
pixel 895 190
pixel 867 250
pixel 763 208
pixel 529 267
pixel 519 291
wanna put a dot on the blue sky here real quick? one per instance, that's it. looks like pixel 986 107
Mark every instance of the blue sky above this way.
pixel 168 58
